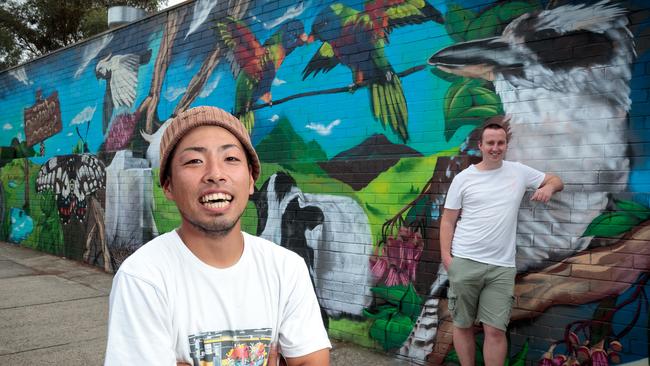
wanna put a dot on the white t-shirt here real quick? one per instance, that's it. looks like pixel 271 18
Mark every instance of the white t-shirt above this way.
pixel 168 306
pixel 489 199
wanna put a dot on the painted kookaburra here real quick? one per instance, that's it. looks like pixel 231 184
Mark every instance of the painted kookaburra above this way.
pixel 563 78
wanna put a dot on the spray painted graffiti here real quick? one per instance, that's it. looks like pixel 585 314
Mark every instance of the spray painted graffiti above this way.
pixel 358 201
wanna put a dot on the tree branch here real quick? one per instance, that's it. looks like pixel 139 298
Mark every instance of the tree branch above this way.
pixel 331 91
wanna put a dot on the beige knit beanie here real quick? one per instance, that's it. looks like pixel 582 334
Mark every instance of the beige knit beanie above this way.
pixel 204 116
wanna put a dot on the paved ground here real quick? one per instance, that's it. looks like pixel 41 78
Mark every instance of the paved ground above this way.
pixel 53 311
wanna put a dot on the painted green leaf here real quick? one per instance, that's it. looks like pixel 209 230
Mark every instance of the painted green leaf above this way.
pixel 520 358
pixel 492 21
pixel 469 102
pixel 391 333
pixel 633 208
pixel 452 356
pixel 381 312
pixel 445 75
pixel 457 21
pixel 411 303
pixel 611 224
pixel 392 294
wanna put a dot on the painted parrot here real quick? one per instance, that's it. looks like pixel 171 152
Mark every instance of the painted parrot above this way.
pixel 356 39
pixel 255 65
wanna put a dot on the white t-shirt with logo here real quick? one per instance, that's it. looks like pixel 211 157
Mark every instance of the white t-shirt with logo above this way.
pixel 168 306
pixel 489 201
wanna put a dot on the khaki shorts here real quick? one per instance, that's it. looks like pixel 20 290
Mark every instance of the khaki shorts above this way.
pixel 480 293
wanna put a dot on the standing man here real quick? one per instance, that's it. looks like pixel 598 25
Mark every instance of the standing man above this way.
pixel 477 243
pixel 208 292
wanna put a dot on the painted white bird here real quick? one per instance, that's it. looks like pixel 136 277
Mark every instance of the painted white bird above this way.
pixel 153 151
pixel 563 78
pixel 121 75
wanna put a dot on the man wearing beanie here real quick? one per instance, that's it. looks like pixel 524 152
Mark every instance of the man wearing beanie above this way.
pixel 208 292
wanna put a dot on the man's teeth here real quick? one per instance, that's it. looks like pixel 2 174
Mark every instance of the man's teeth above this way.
pixel 216 200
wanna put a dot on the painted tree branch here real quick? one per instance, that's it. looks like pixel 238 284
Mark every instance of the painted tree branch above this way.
pixel 344 89
pixel 150 103
pixel 198 81
pixel 236 10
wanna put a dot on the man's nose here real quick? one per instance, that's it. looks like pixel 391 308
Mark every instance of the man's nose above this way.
pixel 214 171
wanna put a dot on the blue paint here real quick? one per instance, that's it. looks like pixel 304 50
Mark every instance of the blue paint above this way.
pixel 21 225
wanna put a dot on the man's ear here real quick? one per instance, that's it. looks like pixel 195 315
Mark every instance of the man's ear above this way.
pixel 251 183
pixel 167 189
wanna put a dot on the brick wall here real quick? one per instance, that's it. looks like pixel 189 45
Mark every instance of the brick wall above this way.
pixel 361 137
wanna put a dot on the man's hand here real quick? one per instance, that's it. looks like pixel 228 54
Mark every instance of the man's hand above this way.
pixel 550 185
pixel 543 194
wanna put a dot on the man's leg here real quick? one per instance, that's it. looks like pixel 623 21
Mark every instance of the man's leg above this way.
pixel 494 310
pixel 495 346
pixel 464 345
pixel 465 284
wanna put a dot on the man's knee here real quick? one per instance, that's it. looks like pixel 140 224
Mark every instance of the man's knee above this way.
pixel 493 334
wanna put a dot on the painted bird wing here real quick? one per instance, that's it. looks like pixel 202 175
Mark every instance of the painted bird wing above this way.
pixel 323 60
pixel 124 79
pixel 389 14
pixel 244 50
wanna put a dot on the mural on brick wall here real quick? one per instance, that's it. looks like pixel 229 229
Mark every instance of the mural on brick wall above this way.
pixel 362 114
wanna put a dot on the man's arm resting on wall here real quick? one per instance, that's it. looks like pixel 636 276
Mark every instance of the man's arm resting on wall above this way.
pixel 447 228
pixel 551 184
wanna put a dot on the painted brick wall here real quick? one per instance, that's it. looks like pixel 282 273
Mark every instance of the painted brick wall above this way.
pixel 360 138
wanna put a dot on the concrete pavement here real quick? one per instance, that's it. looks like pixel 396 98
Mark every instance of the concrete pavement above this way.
pixel 53 311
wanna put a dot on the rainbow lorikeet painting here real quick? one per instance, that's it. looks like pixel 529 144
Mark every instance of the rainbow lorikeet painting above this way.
pixel 356 39
pixel 255 65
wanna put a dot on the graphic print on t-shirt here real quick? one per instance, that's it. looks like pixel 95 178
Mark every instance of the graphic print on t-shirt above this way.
pixel 249 347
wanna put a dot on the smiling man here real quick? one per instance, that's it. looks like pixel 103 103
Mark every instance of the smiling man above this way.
pixel 208 292
pixel 477 243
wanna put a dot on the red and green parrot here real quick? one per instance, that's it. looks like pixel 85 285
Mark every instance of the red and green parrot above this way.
pixel 254 65
pixel 356 39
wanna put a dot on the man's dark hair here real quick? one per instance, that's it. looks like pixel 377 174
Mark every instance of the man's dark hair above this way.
pixel 490 124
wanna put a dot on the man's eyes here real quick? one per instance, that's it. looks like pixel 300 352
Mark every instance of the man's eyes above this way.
pixel 192 161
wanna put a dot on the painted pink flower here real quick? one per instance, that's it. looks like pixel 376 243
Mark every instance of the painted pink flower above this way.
pixel 121 132
pixel 399 257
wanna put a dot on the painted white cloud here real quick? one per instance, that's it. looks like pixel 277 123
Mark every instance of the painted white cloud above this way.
pixel 7 127
pixel 172 93
pixel 69 134
pixel 209 87
pixel 201 11
pixel 86 115
pixel 91 51
pixel 292 12
pixel 323 130
pixel 278 82
pixel 274 118
pixel 21 75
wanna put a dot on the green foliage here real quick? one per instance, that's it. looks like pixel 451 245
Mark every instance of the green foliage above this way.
pixel 387 193
pixel 47 235
pixel 469 102
pixel 394 320
pixel 614 223
pixel 31 28
pixel 466 25
pixel 472 101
